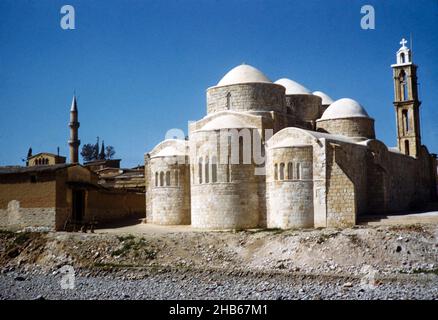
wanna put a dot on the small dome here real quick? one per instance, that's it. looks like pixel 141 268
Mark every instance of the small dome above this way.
pixel 325 98
pixel 344 108
pixel 292 87
pixel 225 122
pixel 169 151
pixel 243 74
pixel 169 148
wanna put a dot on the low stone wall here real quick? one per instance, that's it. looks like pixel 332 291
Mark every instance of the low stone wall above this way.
pixel 24 203
pixel 110 206
pixel 15 217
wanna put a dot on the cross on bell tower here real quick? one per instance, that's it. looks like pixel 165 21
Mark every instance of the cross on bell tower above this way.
pixel 407 105
pixel 403 42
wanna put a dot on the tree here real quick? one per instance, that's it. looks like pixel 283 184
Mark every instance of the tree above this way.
pixel 109 152
pixel 102 151
pixel 96 149
pixel 88 152
pixel 29 153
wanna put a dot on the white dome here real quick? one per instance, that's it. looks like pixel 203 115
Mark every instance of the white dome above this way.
pixel 169 151
pixel 225 122
pixel 243 74
pixel 344 108
pixel 325 98
pixel 292 87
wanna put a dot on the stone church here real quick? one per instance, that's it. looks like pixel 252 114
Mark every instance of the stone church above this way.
pixel 276 155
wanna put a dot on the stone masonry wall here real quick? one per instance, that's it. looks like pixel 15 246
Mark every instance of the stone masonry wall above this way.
pixel 305 107
pixel 349 127
pixel 346 183
pixel 290 187
pixel 170 191
pixel 231 199
pixel 246 97
pixel 111 206
pixel 24 203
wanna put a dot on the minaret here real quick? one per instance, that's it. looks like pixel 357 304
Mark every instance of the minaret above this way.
pixel 74 142
pixel 407 105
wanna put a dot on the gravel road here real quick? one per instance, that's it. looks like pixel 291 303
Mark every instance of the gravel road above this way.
pixel 211 285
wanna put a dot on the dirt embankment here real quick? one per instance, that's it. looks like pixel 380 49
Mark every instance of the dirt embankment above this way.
pixel 386 251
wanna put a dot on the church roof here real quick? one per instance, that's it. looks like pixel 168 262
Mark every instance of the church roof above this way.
pixel 170 148
pixel 227 121
pixel 46 154
pixel 325 98
pixel 35 169
pixel 292 87
pixel 243 74
pixel 344 108
pixel 169 151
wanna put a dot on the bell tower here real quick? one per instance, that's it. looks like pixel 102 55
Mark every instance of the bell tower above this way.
pixel 407 105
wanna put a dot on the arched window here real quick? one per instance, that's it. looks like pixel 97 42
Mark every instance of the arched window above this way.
pixel 298 171
pixel 228 101
pixel 176 177
pixel 207 171
pixel 405 116
pixel 47 161
pixel 281 171
pixel 275 172
pixel 200 170
pixel 403 86
pixel 241 150
pixel 156 179
pixel 167 178
pixel 161 178
pixel 407 147
pixel 213 169
pixel 228 167
pixel 402 57
pixel 290 171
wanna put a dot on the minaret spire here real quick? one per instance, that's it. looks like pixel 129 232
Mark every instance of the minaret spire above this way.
pixel 74 141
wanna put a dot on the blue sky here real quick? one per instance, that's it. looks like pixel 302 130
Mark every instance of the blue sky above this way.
pixel 140 68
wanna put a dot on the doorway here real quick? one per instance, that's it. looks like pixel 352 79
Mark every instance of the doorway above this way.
pixel 78 205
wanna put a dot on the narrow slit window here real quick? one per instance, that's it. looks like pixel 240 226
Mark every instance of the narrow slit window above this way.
pixel 298 173
pixel 161 178
pixel 207 171
pixel 281 171
pixel 200 170
pixel 213 170
pixel 167 178
pixel 290 171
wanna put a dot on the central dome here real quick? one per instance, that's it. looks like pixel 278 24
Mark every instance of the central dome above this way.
pixel 292 87
pixel 243 74
pixel 344 108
